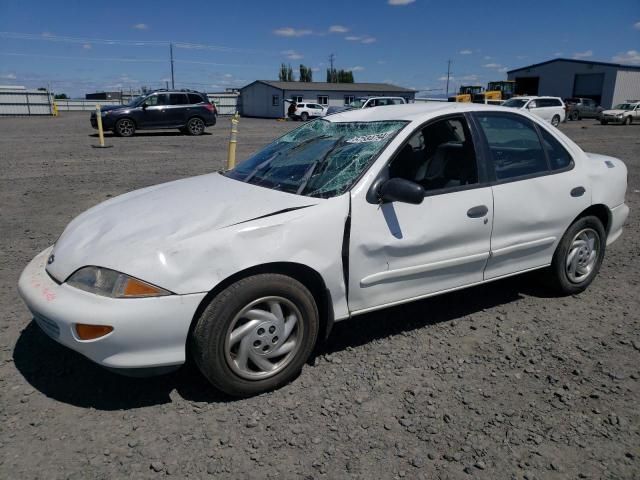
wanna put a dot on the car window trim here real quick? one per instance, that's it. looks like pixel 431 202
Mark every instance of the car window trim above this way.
pixel 492 180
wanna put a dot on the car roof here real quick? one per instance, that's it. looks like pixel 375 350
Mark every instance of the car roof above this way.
pixel 410 112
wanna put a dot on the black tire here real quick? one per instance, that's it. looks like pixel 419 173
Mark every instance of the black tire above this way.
pixel 555 121
pixel 627 121
pixel 125 127
pixel 211 348
pixel 575 116
pixel 304 116
pixel 558 275
pixel 195 126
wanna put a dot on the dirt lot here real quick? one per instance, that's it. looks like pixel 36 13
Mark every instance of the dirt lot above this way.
pixel 496 382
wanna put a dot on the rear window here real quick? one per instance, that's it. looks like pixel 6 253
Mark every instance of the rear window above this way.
pixel 549 102
pixel 195 98
pixel 177 99
pixel 558 155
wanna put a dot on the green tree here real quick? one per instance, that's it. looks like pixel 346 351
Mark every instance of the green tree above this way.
pixel 60 96
pixel 289 74
pixel 282 74
pixel 305 74
pixel 339 76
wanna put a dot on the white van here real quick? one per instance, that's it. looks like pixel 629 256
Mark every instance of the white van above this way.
pixel 551 109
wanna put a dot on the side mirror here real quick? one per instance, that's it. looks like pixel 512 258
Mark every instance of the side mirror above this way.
pixel 144 106
pixel 401 190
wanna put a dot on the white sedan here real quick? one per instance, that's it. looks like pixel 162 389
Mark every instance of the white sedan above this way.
pixel 247 269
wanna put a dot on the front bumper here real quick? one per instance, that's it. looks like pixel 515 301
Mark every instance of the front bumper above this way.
pixel 107 122
pixel 147 332
pixel 612 119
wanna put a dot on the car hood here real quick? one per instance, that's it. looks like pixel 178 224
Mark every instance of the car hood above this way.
pixel 614 112
pixel 146 229
pixel 107 108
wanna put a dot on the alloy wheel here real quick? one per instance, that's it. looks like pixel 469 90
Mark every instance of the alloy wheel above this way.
pixel 126 127
pixel 196 126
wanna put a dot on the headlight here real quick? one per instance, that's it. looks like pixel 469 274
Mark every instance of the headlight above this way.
pixel 620 115
pixel 109 283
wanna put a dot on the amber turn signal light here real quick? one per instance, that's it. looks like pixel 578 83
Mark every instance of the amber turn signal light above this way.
pixel 137 288
pixel 91 332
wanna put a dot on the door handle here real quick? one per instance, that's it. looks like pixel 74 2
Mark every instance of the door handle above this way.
pixel 577 192
pixel 478 211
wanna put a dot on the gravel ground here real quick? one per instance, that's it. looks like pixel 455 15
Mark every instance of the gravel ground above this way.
pixel 499 381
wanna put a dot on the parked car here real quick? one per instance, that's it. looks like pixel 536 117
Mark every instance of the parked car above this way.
pixel 187 110
pixel 551 109
pixel 579 108
pixel 624 113
pixel 305 111
pixel 368 102
pixel 246 270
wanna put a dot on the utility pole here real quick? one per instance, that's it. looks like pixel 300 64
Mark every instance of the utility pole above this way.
pixel 171 56
pixel 331 74
pixel 448 74
pixel 331 57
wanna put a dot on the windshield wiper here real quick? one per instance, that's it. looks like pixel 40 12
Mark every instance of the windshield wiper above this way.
pixel 314 165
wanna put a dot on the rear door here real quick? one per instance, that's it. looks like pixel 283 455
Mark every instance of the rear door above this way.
pixel 537 192
pixel 536 108
pixel 177 109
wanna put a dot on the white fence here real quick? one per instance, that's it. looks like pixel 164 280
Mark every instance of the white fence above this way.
pixel 20 101
pixel 79 105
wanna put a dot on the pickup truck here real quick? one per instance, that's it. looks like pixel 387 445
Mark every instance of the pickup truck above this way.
pixel 579 108
pixel 624 113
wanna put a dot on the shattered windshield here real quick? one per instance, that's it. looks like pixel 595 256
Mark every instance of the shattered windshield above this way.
pixel 319 159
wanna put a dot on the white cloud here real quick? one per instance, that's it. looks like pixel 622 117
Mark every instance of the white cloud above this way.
pixel 636 25
pixel 558 54
pixel 466 51
pixel 292 54
pixel 444 78
pixel 87 46
pixel 487 57
pixel 357 68
pixel 292 32
pixel 228 75
pixel 338 29
pixel 8 76
pixel 399 3
pixel 631 57
pixel 381 62
pixel 141 26
pixel 492 65
pixel 585 54
pixel 468 78
pixel 503 69
pixel 360 38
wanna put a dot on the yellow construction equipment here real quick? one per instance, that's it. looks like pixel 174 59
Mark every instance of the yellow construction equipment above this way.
pixel 499 91
pixel 467 93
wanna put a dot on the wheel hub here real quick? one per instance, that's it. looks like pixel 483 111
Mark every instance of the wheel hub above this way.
pixel 265 338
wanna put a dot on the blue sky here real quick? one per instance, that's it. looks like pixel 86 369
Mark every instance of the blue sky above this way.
pixel 82 46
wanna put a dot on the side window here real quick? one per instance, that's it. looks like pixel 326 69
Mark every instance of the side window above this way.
pixel 195 98
pixel 397 101
pixel 298 99
pixel 514 145
pixel 348 99
pixel 533 104
pixel 558 155
pixel 439 156
pixel 323 99
pixel 178 99
pixel 543 102
pixel 159 99
pixel 275 100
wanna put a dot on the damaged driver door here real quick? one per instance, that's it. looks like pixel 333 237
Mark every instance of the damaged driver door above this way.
pixel 400 251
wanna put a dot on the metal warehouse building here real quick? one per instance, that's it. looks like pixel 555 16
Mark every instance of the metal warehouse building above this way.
pixel 266 98
pixel 606 83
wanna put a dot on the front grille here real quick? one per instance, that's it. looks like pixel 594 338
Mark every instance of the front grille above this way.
pixel 49 327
